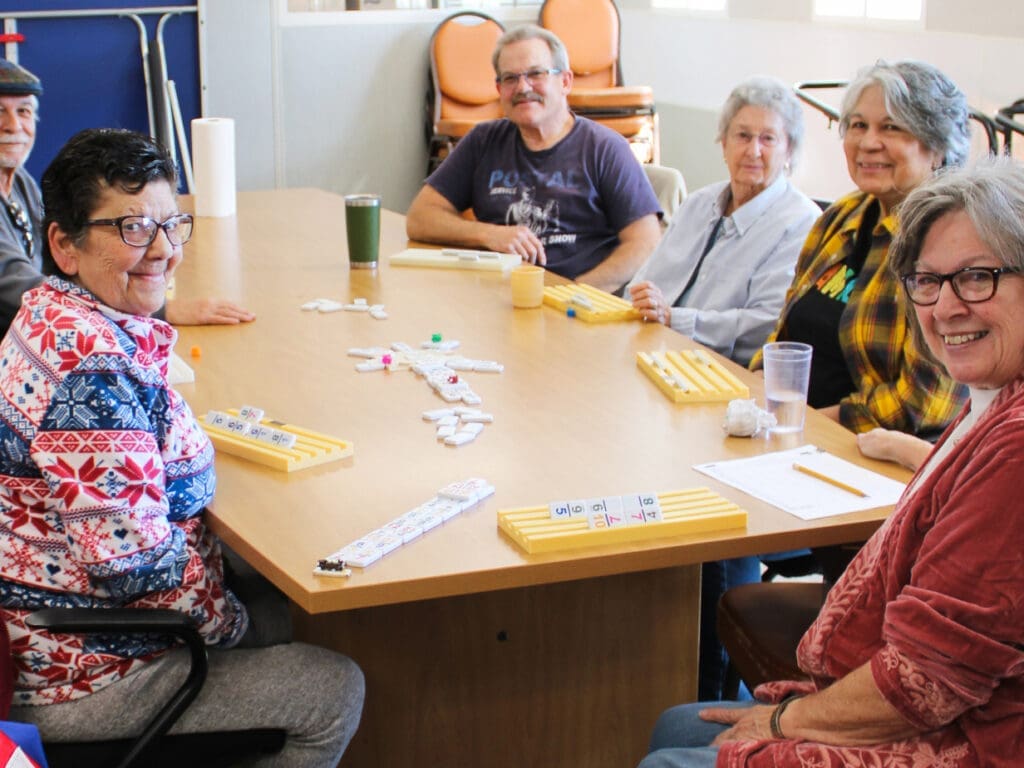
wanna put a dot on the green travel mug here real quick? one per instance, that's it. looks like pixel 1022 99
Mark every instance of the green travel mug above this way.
pixel 362 224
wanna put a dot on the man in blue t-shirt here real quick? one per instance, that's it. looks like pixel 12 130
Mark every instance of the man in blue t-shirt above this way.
pixel 556 189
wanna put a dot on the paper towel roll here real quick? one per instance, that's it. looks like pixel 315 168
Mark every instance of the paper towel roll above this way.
pixel 213 165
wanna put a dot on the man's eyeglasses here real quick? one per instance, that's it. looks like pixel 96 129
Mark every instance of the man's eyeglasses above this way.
pixel 140 231
pixel 534 77
pixel 970 284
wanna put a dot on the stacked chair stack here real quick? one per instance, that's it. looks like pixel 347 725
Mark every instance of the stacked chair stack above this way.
pixel 590 30
pixel 461 92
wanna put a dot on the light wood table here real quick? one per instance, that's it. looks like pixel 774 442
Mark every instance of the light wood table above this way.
pixel 475 653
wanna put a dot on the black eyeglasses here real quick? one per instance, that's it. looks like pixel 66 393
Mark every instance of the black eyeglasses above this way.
pixel 534 77
pixel 140 231
pixel 20 220
pixel 970 284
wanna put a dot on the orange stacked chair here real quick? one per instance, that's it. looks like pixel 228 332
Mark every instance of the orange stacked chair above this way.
pixel 462 91
pixel 590 31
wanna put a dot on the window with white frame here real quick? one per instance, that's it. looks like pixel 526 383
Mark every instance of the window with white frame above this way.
pixel 884 10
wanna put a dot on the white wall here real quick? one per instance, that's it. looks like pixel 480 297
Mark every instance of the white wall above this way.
pixel 337 104
pixel 712 55
pixel 238 70
pixel 336 101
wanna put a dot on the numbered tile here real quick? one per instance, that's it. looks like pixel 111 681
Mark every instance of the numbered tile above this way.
pixel 251 414
pixel 217 418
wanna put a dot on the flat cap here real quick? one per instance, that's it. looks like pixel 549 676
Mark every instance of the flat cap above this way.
pixel 18 81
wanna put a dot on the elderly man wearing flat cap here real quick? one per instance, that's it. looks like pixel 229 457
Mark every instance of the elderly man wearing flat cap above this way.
pixel 21 235
pixel 21 259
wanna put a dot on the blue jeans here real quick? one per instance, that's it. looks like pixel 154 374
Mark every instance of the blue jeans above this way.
pixel 715 579
pixel 680 738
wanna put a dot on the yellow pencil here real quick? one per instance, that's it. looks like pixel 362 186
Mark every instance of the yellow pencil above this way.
pixel 829 480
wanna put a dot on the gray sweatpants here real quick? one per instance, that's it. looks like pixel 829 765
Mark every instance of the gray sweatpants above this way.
pixel 313 694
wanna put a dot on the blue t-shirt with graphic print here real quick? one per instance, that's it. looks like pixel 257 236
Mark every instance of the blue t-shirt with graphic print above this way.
pixel 575 196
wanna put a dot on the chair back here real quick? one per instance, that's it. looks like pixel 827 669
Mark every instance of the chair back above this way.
pixel 460 67
pixel 669 187
pixel 590 31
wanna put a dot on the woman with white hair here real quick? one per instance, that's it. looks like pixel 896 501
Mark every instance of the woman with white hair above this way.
pixel 721 271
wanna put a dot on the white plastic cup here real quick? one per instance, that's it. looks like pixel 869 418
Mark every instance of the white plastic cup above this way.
pixel 787 371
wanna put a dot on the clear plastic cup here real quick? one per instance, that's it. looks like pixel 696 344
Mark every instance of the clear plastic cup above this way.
pixel 787 371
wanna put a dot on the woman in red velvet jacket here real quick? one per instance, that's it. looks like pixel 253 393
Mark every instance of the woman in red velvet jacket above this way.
pixel 917 657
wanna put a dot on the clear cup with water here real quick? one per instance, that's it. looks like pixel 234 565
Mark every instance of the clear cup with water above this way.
pixel 787 371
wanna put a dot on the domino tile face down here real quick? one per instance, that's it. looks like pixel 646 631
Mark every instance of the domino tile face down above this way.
pixel 450 258
pixel 449 502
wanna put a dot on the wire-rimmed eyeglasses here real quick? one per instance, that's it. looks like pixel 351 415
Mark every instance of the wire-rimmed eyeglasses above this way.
pixel 141 231
pixel 970 284
pixel 536 76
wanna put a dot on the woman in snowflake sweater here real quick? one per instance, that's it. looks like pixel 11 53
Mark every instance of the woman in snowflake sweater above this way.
pixel 104 475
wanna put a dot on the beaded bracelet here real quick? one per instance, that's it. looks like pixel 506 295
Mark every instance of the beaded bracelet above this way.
pixel 773 723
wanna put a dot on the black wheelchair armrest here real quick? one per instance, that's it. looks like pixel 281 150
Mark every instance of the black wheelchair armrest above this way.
pixel 137 621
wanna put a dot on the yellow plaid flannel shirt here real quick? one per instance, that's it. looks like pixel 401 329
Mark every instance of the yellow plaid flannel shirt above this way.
pixel 896 387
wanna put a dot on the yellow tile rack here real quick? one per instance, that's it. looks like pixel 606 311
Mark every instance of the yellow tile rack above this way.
pixel 592 305
pixel 311 448
pixel 696 510
pixel 691 376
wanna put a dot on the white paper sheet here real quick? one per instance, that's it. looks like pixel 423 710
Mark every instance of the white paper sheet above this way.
pixel 772 478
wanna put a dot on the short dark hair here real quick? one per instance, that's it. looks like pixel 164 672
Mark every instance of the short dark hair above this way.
pixel 92 160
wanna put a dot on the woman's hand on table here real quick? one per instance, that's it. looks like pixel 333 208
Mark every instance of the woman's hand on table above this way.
pixel 890 445
pixel 649 300
pixel 207 311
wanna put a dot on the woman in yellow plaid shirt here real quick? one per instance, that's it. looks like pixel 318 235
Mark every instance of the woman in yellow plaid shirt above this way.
pixel 900 122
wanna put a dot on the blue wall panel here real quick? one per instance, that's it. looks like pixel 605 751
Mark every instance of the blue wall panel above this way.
pixel 92 72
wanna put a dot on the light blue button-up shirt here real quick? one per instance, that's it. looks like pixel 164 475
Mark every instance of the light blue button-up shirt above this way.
pixel 737 296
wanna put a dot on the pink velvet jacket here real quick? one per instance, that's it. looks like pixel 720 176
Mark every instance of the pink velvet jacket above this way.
pixel 935 603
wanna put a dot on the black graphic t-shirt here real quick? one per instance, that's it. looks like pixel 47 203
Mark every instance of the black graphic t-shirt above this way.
pixel 815 318
pixel 575 196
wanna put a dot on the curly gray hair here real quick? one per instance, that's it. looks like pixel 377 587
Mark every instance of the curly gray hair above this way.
pixel 769 93
pixel 990 192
